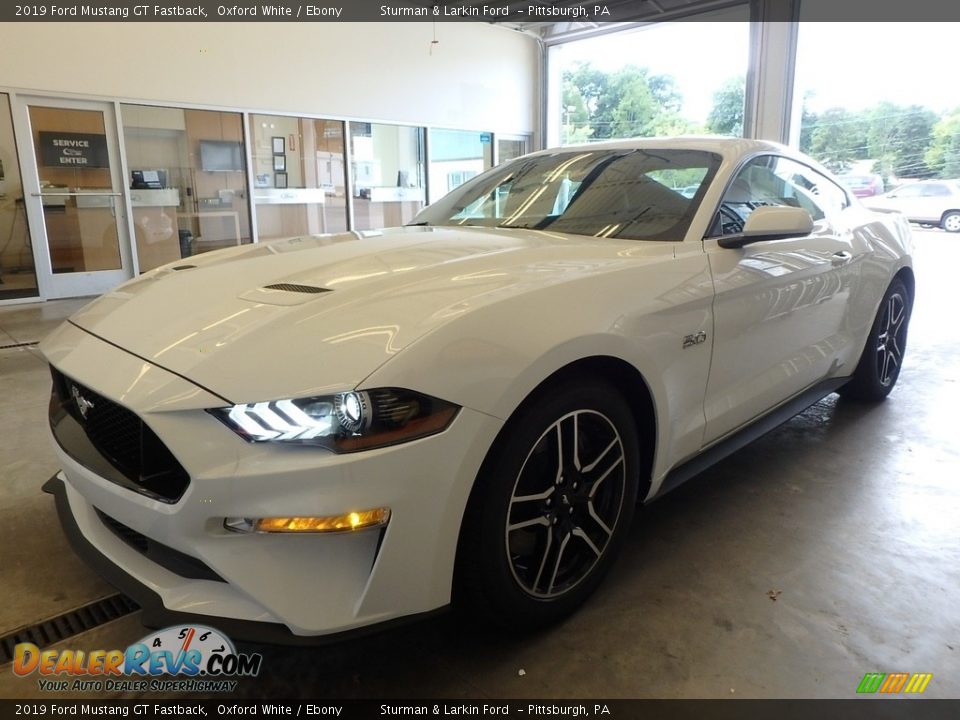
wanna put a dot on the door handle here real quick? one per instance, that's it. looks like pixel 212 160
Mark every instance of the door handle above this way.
pixel 840 258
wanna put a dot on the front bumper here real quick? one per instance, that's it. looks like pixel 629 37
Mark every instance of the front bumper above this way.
pixel 263 587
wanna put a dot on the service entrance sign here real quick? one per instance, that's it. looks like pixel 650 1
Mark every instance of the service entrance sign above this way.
pixel 73 150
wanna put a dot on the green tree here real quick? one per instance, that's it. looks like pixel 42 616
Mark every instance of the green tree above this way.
pixel 899 138
pixel 808 123
pixel 943 156
pixel 726 116
pixel 839 138
pixel 576 115
pixel 914 137
pixel 626 103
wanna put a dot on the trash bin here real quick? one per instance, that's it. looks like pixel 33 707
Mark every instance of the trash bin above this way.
pixel 186 243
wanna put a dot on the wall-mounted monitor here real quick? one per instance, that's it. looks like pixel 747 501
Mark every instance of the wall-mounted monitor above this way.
pixel 148 179
pixel 221 156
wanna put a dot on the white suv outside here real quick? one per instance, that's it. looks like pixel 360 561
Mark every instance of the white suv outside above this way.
pixel 929 202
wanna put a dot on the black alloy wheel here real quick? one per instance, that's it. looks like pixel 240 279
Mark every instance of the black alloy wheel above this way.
pixel 551 506
pixel 882 358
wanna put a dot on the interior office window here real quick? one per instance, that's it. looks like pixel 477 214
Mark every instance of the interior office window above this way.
pixel 18 277
pixel 511 148
pixel 188 181
pixel 387 165
pixel 298 176
pixel 885 113
pixel 653 81
pixel 455 157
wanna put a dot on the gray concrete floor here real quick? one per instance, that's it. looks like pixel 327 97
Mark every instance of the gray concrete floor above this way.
pixel 848 514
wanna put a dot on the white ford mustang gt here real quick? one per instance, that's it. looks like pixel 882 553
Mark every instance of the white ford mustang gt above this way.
pixel 304 437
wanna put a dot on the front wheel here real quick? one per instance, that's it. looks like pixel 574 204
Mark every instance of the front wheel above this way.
pixel 951 222
pixel 882 358
pixel 551 507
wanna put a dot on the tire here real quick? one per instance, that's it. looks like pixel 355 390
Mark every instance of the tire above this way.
pixel 549 514
pixel 951 221
pixel 882 357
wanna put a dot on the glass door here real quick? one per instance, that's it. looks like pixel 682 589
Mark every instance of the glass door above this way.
pixel 74 195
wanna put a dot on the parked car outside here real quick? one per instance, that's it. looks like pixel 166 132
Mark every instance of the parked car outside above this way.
pixel 928 202
pixel 312 435
pixel 863 185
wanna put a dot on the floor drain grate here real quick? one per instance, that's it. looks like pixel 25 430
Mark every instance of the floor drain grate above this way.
pixel 67 625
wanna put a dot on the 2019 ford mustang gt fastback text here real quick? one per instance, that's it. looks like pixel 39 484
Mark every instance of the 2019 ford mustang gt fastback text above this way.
pixel 313 435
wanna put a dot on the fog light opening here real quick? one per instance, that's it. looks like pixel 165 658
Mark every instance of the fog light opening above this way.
pixel 347 522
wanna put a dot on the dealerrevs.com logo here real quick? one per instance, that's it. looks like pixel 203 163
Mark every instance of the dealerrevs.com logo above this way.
pixel 205 658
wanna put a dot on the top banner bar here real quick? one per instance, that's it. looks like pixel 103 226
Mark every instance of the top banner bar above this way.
pixel 522 15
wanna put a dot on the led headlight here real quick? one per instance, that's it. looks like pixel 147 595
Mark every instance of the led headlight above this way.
pixel 345 422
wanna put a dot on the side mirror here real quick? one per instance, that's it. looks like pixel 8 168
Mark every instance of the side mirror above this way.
pixel 777 222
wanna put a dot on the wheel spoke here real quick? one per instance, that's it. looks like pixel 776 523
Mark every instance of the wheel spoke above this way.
pixel 896 350
pixel 556 565
pixel 896 312
pixel 576 441
pixel 559 455
pixel 885 369
pixel 596 462
pixel 569 454
pixel 606 473
pixel 543 561
pixel 894 353
pixel 579 532
pixel 592 511
pixel 528 523
pixel 530 498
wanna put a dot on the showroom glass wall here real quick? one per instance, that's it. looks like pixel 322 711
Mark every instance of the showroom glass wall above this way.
pixel 885 119
pixel 18 277
pixel 180 181
pixel 299 178
pixel 511 148
pixel 387 163
pixel 653 80
pixel 455 157
pixel 187 180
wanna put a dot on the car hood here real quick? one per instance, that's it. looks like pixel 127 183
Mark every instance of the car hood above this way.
pixel 312 315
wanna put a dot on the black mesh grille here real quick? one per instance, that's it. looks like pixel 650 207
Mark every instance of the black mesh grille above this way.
pixel 130 536
pixel 119 436
pixel 173 560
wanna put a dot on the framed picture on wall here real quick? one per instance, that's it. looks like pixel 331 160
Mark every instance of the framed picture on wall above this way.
pixel 280 162
pixel 279 146
pixel 280 180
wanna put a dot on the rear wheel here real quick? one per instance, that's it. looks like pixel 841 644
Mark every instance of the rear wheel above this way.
pixel 951 221
pixel 882 358
pixel 551 507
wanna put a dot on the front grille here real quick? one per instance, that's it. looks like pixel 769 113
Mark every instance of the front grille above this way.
pixel 116 435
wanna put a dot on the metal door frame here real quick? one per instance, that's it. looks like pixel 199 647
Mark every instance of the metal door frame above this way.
pixel 75 284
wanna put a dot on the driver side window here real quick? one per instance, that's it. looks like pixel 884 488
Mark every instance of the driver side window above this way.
pixel 770 180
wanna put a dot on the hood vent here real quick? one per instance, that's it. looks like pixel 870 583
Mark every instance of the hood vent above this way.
pixel 183 267
pixel 293 287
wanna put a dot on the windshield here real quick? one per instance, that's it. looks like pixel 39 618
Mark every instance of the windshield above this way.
pixel 634 194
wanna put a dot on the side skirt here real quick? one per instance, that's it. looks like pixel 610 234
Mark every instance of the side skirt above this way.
pixel 746 435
